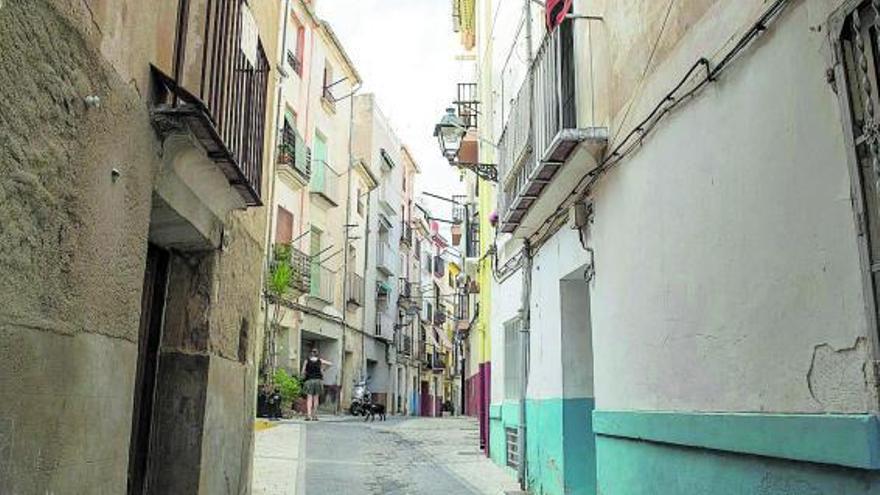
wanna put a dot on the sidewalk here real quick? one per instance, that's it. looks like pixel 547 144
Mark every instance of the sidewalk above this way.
pixel 278 450
pixel 453 442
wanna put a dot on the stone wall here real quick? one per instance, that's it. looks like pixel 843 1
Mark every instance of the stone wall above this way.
pixel 76 184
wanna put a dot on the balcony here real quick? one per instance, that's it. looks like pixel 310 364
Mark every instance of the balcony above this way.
pixel 405 291
pixel 406 234
pixel 301 276
pixel 551 145
pixel 294 62
pixel 354 290
pixel 295 156
pixel 324 183
pixel 300 273
pixel 323 283
pixel 405 345
pixel 385 259
pixel 213 92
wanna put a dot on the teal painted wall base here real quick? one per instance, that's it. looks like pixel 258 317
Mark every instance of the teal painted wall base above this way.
pixel 633 467
pixel 501 416
pixel 727 454
pixel 560 447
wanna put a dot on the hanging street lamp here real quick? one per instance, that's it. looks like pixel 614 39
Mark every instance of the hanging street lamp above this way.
pixel 451 132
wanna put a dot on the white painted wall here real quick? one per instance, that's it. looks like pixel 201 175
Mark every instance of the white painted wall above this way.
pixel 506 302
pixel 726 247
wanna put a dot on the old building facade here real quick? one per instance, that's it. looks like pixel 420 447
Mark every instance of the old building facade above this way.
pixel 667 265
pixel 132 240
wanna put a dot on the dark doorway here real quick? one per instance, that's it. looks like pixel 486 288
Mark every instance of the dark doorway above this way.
pixel 149 337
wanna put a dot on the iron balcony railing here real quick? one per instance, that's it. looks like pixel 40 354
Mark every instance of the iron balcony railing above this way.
pixel 324 182
pixel 217 89
pixel 354 290
pixel 293 152
pixel 404 288
pixel 534 146
pixel 468 104
pixel 301 276
pixel 323 283
pixel 294 62
pixel 385 258
pixel 406 233
pixel 300 273
pixel 405 345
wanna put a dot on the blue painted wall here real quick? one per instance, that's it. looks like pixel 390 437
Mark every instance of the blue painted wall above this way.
pixel 561 448
pixel 737 453
pixel 634 467
pixel 505 415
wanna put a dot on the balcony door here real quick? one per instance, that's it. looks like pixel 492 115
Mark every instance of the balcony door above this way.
pixel 315 265
pixel 319 171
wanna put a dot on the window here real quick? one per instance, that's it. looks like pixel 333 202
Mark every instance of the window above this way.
pixel 284 226
pixel 512 351
pixel 328 82
pixel 857 41
pixel 360 202
pixel 511 436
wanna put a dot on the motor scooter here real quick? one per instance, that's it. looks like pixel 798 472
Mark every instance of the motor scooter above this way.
pixel 361 397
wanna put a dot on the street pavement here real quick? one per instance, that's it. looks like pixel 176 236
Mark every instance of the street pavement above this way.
pixel 278 448
pixel 344 455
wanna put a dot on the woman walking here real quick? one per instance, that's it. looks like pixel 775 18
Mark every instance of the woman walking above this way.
pixel 313 371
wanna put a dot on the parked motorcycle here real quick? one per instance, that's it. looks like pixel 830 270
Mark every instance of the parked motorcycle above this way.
pixel 361 397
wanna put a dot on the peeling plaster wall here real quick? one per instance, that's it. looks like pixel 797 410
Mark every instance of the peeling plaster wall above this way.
pixel 727 270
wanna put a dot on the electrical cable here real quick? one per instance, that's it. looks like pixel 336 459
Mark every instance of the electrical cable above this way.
pixel 645 70
pixel 644 128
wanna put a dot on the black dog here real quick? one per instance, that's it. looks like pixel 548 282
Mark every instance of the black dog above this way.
pixel 373 410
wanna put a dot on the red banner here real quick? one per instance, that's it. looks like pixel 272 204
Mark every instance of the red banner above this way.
pixel 556 11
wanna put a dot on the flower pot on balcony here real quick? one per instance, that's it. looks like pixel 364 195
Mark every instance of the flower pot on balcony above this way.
pixel 456 235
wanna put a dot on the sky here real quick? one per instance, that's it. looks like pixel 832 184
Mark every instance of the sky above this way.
pixel 405 52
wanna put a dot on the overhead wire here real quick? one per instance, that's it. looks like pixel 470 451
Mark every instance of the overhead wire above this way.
pixel 645 127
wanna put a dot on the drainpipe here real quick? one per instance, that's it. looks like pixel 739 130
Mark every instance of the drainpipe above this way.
pixel 271 202
pixel 525 327
pixel 527 276
pixel 345 242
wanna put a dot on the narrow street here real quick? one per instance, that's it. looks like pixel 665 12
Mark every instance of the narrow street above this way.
pixel 399 456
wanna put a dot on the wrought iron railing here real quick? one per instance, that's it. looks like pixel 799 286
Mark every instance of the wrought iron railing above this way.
pixel 406 233
pixel 218 89
pixel 354 290
pixel 405 288
pixel 527 137
pixel 294 62
pixel 300 273
pixel 468 104
pixel 385 259
pixel 294 152
pixel 405 345
pixel 301 276
pixel 324 181
pixel 323 283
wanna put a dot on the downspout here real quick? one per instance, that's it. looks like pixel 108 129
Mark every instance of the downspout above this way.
pixel 271 202
pixel 345 242
pixel 525 316
pixel 527 277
